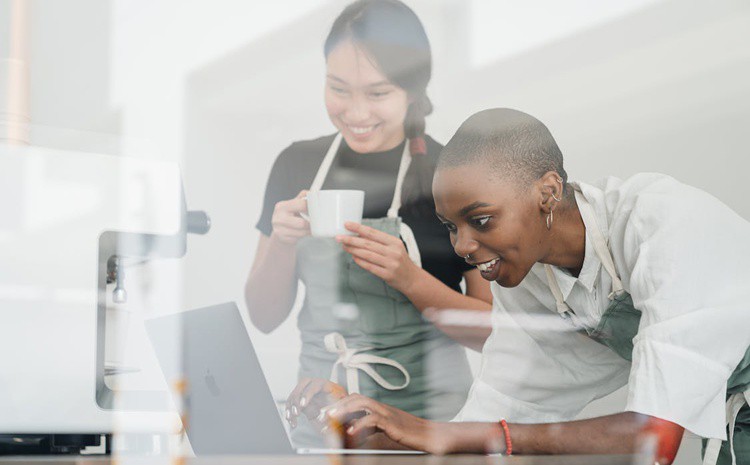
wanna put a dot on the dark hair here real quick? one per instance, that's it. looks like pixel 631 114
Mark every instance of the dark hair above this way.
pixel 392 34
pixel 512 144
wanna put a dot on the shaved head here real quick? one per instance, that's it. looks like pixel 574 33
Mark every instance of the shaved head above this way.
pixel 511 144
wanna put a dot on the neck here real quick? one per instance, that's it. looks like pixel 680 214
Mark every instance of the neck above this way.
pixel 567 237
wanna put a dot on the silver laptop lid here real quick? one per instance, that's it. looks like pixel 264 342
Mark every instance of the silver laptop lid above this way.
pixel 229 405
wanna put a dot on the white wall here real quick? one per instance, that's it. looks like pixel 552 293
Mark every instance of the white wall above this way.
pixel 223 86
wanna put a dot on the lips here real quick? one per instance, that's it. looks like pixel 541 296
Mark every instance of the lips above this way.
pixel 360 131
pixel 489 269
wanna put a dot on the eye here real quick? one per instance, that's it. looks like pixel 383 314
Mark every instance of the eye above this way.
pixel 450 227
pixel 480 221
pixel 338 90
pixel 379 94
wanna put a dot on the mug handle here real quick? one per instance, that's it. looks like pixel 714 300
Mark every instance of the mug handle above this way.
pixel 304 216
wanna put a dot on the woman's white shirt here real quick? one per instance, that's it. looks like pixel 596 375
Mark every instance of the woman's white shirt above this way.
pixel 684 257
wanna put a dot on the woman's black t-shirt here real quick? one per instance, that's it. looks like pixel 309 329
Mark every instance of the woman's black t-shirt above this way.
pixel 374 173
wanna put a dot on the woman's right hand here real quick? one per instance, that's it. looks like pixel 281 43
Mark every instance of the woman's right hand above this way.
pixel 311 397
pixel 288 225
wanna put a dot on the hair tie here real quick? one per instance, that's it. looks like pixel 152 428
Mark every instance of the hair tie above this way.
pixel 417 146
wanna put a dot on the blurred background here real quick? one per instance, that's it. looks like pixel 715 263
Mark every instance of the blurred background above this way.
pixel 221 87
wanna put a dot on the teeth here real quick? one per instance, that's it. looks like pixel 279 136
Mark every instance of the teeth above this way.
pixel 487 265
pixel 361 130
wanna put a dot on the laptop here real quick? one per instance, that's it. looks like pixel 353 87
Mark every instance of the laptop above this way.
pixel 229 404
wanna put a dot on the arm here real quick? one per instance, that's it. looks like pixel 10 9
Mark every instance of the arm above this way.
pixel 470 328
pixel 271 287
pixel 621 433
pixel 425 291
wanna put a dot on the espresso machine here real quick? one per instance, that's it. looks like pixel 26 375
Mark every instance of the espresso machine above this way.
pixel 90 244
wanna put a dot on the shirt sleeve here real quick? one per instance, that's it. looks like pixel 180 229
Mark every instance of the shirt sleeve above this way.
pixel 536 366
pixel 686 261
pixel 278 188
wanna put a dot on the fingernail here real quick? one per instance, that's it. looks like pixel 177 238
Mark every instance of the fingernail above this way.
pixel 302 402
pixel 294 410
pixel 350 430
pixel 321 416
pixel 287 414
pixel 331 412
pixel 324 429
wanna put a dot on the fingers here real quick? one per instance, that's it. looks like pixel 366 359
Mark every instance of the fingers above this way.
pixel 311 397
pixel 286 222
pixel 370 256
pixel 302 194
pixel 317 395
pixel 352 404
pixel 355 242
pixel 377 270
pixel 289 222
pixel 370 233
pixel 292 403
pixel 359 430
pixel 292 206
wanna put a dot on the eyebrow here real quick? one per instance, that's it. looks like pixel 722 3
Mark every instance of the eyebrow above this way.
pixel 374 84
pixel 472 206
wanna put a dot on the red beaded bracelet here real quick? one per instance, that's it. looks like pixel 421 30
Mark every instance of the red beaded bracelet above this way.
pixel 506 433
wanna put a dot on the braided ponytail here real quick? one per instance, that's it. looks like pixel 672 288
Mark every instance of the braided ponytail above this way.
pixel 414 124
pixel 418 185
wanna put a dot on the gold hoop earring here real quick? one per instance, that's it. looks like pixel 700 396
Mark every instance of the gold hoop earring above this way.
pixel 550 219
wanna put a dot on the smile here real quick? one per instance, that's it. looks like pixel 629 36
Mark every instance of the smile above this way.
pixel 487 266
pixel 360 130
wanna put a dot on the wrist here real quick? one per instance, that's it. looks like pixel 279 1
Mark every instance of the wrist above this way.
pixel 411 282
pixel 441 438
pixel 283 243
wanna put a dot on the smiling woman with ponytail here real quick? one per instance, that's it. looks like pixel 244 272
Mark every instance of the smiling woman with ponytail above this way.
pixel 366 292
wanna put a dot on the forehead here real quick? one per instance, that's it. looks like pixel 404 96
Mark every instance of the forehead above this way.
pixel 353 65
pixel 462 185
pixel 454 188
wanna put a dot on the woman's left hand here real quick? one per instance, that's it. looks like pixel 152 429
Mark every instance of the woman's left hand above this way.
pixel 381 254
pixel 362 418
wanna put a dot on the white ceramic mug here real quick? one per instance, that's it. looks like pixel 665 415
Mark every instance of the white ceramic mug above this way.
pixel 328 210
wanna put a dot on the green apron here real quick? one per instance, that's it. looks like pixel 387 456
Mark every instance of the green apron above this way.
pixel 619 325
pixel 355 327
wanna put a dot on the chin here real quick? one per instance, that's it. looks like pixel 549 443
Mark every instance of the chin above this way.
pixel 508 281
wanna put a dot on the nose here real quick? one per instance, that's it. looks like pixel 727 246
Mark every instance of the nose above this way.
pixel 464 244
pixel 358 109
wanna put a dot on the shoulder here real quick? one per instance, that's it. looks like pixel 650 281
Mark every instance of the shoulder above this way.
pixel 653 201
pixel 310 150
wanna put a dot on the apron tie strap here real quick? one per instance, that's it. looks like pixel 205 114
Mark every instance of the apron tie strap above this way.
pixel 734 404
pixel 352 360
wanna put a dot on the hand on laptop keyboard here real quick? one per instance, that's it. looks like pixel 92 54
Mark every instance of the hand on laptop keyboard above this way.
pixel 311 397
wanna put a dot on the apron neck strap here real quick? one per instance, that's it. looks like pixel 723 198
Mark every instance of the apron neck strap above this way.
pixel 403 167
pixel 601 249
pixel 600 243
pixel 325 167
pixel 320 176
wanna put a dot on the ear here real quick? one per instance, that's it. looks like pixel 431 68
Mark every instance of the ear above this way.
pixel 550 188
